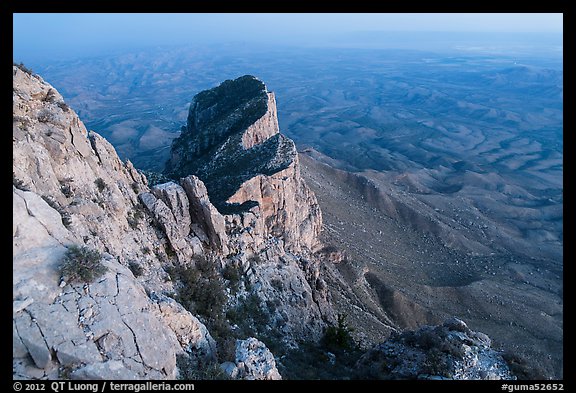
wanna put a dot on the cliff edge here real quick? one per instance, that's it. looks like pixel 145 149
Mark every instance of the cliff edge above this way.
pixel 233 144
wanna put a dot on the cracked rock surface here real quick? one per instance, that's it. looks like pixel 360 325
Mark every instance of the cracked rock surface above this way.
pixel 70 188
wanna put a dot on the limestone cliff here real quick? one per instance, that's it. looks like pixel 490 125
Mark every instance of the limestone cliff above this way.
pixel 233 144
pixel 70 188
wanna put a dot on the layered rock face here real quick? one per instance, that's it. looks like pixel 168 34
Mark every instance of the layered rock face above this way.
pixel 70 188
pixel 233 144
pixel 252 202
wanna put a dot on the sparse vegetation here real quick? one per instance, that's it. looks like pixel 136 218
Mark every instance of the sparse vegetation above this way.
pixel 249 315
pixel 25 69
pixel 311 361
pixel 169 250
pixel 135 268
pixel 437 363
pixel 521 369
pixel 101 184
pixel 135 215
pixel 339 336
pixel 23 121
pixel 19 183
pixel 45 116
pixel 191 370
pixel 50 96
pixel 62 105
pixel 66 219
pixel 66 188
pixel 202 290
pixel 81 264
pixel 99 200
pixel 232 272
pixel 277 284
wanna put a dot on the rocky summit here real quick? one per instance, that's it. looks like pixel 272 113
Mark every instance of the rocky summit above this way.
pixel 232 143
pixel 213 274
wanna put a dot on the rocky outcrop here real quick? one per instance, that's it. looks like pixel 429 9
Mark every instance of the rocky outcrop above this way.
pixel 79 174
pixel 233 145
pixel 242 179
pixel 263 128
pixel 106 329
pixel 70 188
pixel 290 292
pixel 287 208
pixel 253 361
pixel 448 351
pixel 211 224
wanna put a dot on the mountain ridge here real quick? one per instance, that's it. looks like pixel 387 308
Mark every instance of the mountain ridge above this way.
pixel 184 285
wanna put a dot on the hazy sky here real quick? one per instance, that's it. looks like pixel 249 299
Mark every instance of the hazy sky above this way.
pixel 38 36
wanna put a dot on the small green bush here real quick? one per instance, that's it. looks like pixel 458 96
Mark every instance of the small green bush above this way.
pixel 191 370
pixel 232 272
pixel 135 215
pixel 100 184
pixel 201 290
pixel 81 264
pixel 339 336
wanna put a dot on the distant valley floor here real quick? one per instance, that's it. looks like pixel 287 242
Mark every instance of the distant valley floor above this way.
pixel 398 277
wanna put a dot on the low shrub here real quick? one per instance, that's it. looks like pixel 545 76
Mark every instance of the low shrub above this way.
pixel 45 116
pixel 24 68
pixel 81 264
pixel 63 106
pixel 232 272
pixel 339 336
pixel 135 215
pixel 191 370
pixel 100 184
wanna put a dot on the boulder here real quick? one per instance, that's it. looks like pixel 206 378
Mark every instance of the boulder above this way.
pixel 448 351
pixel 255 361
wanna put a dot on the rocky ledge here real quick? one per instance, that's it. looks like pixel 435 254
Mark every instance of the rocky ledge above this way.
pixel 448 351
